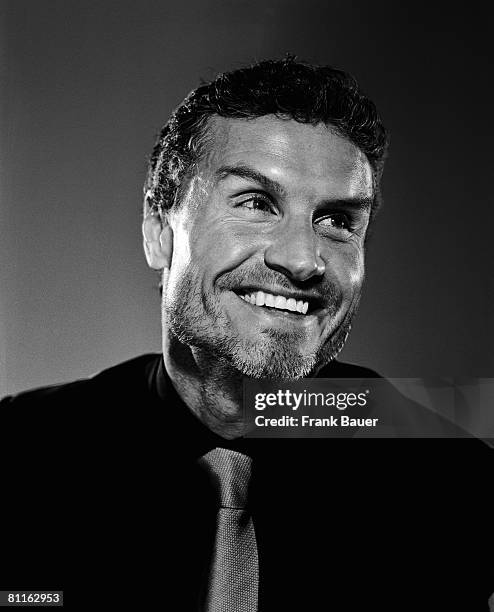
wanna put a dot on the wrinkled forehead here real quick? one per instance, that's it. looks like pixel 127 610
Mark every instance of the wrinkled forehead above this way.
pixel 299 155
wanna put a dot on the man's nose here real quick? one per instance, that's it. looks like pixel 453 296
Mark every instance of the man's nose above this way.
pixel 295 253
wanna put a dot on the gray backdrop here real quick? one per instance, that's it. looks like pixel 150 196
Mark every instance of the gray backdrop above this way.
pixel 85 88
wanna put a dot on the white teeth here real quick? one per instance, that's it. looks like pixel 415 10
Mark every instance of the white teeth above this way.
pixel 269 299
pixel 280 302
pixel 259 298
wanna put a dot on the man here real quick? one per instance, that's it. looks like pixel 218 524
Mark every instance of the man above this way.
pixel 260 194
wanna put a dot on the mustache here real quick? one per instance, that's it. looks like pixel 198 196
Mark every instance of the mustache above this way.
pixel 321 288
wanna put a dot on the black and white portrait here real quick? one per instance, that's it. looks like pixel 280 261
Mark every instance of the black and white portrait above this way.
pixel 203 203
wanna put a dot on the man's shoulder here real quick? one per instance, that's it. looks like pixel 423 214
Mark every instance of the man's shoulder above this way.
pixel 131 376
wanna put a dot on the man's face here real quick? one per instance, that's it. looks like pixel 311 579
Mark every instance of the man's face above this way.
pixel 268 246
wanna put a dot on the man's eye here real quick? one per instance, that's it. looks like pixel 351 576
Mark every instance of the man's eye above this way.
pixel 256 203
pixel 338 221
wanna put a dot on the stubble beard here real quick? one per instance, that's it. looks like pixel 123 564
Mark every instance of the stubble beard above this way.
pixel 198 321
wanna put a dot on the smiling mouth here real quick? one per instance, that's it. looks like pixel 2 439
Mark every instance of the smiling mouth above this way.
pixel 276 302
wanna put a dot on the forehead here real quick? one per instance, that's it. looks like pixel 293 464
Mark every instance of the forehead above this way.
pixel 301 156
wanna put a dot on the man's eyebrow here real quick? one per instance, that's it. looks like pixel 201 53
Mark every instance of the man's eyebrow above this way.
pixel 246 172
pixel 358 202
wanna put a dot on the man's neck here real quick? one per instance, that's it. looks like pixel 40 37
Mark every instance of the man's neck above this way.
pixel 209 386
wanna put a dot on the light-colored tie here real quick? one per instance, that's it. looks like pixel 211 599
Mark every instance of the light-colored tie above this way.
pixel 234 576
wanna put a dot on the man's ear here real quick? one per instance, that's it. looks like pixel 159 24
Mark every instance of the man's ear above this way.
pixel 158 237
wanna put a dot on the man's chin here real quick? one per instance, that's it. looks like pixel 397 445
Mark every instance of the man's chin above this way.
pixel 273 358
pixel 279 361
pixel 275 370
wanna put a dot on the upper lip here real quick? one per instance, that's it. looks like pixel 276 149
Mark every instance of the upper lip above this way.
pixel 315 301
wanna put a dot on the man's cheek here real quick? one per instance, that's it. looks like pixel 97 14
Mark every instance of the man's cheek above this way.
pixel 232 249
pixel 351 272
pixel 355 279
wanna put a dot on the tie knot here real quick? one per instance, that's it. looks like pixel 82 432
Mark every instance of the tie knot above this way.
pixel 230 474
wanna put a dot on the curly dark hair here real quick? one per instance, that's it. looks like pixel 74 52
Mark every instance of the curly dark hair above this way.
pixel 286 88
